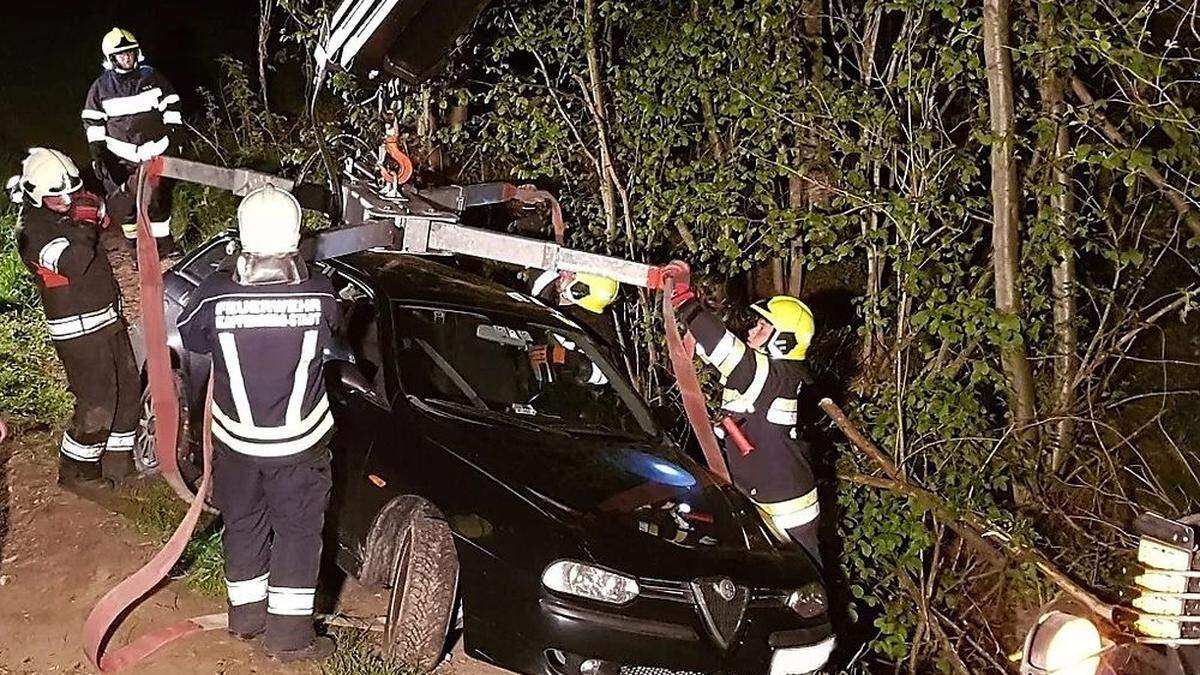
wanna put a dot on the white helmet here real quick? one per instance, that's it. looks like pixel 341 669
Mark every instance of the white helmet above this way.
pixel 269 222
pixel 44 173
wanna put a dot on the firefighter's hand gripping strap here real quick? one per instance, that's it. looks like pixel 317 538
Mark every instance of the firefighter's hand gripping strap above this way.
pixel 106 614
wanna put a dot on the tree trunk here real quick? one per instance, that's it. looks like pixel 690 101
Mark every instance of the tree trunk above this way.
pixel 264 39
pixel 802 195
pixel 1006 193
pixel 1062 272
pixel 598 108
pixel 427 126
pixel 707 109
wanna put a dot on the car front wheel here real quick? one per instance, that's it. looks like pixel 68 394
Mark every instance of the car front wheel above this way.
pixel 421 604
pixel 188 458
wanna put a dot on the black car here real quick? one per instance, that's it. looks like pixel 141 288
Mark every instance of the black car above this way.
pixel 490 459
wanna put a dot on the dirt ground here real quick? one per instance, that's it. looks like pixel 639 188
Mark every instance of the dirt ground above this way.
pixel 59 554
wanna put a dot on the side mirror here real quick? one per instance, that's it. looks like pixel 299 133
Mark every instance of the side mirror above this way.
pixel 353 381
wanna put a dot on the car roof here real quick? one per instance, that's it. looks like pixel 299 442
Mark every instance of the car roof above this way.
pixel 404 277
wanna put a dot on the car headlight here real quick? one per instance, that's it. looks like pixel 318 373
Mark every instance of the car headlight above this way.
pixel 808 601
pixel 586 581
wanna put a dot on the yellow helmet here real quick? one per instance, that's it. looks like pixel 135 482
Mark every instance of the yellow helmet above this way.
pixel 116 41
pixel 793 323
pixel 590 291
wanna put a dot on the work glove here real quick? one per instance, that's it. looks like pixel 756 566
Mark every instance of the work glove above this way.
pixel 87 208
pixel 681 274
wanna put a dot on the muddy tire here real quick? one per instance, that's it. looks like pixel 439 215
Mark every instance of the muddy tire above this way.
pixel 423 583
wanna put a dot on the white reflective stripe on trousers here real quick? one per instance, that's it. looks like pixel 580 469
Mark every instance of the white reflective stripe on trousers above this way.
pixel 248 591
pixel 286 601
pixel 80 452
pixel 120 442
pixel 793 512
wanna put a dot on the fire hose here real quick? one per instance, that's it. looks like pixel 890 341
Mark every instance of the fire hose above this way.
pixel 107 613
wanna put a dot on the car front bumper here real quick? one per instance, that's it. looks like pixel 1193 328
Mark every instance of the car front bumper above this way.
pixel 662 636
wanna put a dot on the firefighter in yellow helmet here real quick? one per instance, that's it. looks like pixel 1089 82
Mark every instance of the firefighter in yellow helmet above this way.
pixel 761 377
pixel 131 115
pixel 584 298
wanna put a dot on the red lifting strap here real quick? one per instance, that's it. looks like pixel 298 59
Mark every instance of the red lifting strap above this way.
pixel 106 614
pixel 689 386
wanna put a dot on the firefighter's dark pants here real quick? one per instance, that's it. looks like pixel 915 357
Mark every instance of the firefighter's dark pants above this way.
pixel 806 537
pixel 103 377
pixel 273 519
pixel 120 185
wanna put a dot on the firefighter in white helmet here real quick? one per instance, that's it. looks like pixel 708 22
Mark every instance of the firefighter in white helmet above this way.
pixel 761 378
pixel 267 325
pixel 131 115
pixel 57 238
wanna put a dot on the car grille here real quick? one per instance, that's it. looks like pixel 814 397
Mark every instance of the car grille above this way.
pixel 722 605
pixel 651 670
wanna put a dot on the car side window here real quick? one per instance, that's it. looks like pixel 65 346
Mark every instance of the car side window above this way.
pixel 360 326
pixel 208 260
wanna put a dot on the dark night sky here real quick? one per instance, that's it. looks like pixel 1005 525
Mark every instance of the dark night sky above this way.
pixel 50 53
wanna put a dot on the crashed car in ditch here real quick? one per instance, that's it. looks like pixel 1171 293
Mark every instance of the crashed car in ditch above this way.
pixel 491 462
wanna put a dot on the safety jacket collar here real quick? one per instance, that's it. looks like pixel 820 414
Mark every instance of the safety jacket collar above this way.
pixel 264 270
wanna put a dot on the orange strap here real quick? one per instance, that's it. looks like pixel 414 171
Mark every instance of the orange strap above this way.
pixel 107 613
pixel 694 403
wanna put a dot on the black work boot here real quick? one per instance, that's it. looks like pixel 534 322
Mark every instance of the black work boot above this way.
pixel 321 648
pixel 248 635
pixel 118 467
pixel 82 478
pixel 71 471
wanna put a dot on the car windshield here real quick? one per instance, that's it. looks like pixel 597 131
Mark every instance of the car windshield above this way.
pixel 510 369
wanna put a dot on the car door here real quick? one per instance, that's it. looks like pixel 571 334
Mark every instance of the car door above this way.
pixel 360 409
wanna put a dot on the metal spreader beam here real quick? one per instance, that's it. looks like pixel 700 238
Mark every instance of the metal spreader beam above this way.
pixel 421 224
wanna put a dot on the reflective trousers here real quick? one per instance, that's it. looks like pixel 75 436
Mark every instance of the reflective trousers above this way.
pixel 273 520
pixel 103 377
pixel 120 186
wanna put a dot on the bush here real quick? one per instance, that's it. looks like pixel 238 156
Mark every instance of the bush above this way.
pixel 32 385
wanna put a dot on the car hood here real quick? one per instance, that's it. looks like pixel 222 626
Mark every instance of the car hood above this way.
pixel 641 506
